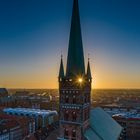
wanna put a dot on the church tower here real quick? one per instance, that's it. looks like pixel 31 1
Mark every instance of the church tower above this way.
pixel 74 86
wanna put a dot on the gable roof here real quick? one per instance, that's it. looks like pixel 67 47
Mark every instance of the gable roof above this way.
pixel 103 126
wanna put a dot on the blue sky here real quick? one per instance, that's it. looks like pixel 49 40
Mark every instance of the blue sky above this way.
pixel 33 33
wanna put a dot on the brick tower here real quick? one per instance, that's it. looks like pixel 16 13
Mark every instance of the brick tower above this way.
pixel 74 86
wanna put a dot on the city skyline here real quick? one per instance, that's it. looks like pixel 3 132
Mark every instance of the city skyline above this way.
pixel 33 37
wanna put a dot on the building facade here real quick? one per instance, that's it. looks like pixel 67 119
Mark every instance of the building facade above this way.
pixel 131 127
pixel 4 133
pixel 129 119
pixel 74 85
pixel 15 127
pixel 40 117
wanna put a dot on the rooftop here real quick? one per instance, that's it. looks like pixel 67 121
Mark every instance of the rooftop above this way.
pixel 131 114
pixel 102 126
pixel 3 91
pixel 30 111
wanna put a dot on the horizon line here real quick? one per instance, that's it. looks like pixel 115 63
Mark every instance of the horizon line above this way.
pixel 58 88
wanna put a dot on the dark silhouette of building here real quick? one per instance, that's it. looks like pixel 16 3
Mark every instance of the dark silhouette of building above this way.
pixel 3 92
pixel 75 85
pixel 77 121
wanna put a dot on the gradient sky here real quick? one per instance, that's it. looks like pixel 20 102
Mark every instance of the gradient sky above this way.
pixel 33 33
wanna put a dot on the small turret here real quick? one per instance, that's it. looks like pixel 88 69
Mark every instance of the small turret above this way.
pixel 89 70
pixel 61 70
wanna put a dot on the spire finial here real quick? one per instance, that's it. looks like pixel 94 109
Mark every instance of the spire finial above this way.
pixel 61 55
pixel 88 56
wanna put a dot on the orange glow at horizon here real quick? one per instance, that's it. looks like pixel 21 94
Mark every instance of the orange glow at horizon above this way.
pixel 45 75
pixel 50 81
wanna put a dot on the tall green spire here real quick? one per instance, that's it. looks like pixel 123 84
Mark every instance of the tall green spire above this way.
pixel 75 60
pixel 88 70
pixel 61 70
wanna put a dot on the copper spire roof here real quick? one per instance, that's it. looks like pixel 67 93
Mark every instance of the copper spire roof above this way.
pixel 75 60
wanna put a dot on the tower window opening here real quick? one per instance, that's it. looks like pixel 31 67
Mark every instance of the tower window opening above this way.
pixel 73 134
pixel 66 133
pixel 74 99
pixel 85 99
pixel 80 80
pixel 67 99
pixel 88 98
pixel 85 115
pixel 66 115
pixel 74 116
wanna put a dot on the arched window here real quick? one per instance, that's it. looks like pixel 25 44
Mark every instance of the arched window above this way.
pixel 74 99
pixel 66 133
pixel 88 98
pixel 85 99
pixel 62 99
pixel 73 134
pixel 66 115
pixel 67 99
pixel 74 116
pixel 85 115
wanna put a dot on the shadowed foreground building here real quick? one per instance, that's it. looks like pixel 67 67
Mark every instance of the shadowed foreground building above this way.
pixel 15 127
pixel 5 99
pixel 130 121
pixel 3 92
pixel 77 120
